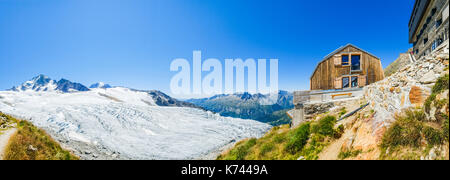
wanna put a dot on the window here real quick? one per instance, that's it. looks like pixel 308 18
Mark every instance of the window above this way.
pixel 345 82
pixel 356 65
pixel 438 23
pixel 434 45
pixel 345 60
pixel 433 11
pixel 355 81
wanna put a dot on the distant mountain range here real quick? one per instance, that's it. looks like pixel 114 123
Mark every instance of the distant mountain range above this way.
pixel 43 83
pixel 250 106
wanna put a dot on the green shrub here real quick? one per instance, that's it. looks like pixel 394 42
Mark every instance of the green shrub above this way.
pixel 441 84
pixel 415 115
pixel 406 131
pixel 343 112
pixel 326 125
pixel 339 131
pixel 433 136
pixel 298 139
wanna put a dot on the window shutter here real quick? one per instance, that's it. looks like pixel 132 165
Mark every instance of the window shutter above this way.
pixel 338 83
pixel 362 81
pixel 337 60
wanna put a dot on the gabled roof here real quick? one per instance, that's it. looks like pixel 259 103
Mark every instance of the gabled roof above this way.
pixel 343 47
pixel 339 50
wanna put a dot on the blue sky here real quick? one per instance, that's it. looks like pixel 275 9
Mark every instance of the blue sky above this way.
pixel 132 42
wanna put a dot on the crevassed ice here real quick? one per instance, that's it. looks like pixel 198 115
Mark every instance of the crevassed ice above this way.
pixel 129 122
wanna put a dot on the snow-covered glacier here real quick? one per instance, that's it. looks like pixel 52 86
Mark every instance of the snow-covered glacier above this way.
pixel 120 123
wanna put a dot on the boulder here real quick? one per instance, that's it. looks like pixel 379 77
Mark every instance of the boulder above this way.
pixel 428 78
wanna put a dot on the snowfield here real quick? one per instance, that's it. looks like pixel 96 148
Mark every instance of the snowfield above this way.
pixel 119 123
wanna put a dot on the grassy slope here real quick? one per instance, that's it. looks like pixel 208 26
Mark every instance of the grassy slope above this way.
pixel 32 143
pixel 283 143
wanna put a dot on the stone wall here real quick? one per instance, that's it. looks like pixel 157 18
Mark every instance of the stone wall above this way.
pixel 408 87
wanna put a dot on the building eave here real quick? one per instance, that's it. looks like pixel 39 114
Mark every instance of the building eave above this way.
pixel 339 50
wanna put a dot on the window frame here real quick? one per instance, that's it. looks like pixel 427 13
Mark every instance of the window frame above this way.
pixel 351 62
pixel 348 85
pixel 357 81
pixel 348 60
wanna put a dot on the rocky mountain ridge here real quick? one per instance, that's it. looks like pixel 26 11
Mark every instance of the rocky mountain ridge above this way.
pixel 264 108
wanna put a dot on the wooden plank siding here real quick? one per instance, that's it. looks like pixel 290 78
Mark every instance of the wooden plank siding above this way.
pixel 325 75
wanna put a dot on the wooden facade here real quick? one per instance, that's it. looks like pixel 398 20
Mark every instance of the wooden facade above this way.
pixel 341 70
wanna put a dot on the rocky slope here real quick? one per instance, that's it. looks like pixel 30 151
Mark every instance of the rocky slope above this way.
pixel 401 61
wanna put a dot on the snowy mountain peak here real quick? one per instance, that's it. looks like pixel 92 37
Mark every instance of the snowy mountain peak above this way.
pixel 100 85
pixel 41 79
pixel 38 83
pixel 44 83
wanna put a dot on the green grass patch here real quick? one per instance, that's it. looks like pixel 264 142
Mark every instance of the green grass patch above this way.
pixel 410 130
pixel 241 151
pixel 442 84
pixel 433 136
pixel 284 143
pixel 405 131
pixel 298 139
pixel 342 112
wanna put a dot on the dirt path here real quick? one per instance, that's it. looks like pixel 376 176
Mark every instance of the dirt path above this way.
pixel 4 139
pixel 332 151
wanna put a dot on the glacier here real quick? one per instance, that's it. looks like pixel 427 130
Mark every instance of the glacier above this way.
pixel 120 123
